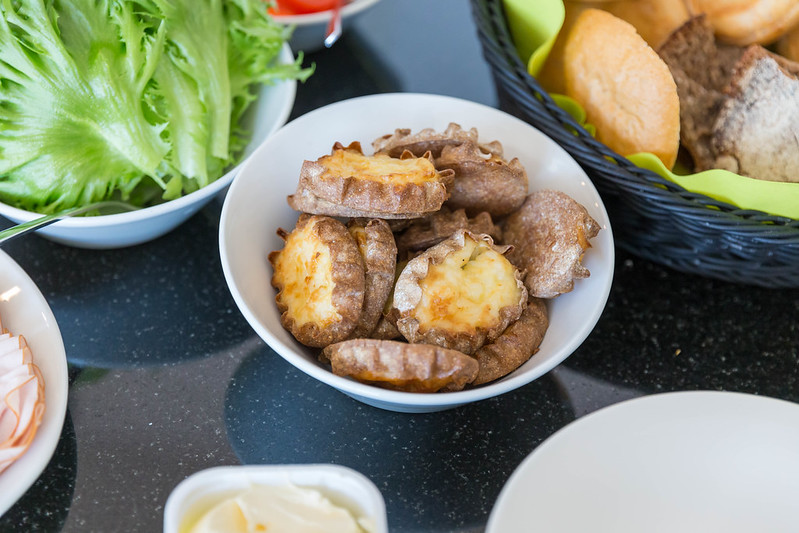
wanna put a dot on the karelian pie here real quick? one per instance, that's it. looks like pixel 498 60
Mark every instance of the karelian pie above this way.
pixel 549 235
pixel 350 184
pixel 515 345
pixel 379 251
pixel 483 182
pixel 402 366
pixel 429 140
pixel 431 230
pixel 459 294
pixel 483 179
pixel 320 281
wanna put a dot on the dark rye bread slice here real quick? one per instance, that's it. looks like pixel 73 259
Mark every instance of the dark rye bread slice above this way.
pixel 725 104
pixel 756 132
pixel 701 69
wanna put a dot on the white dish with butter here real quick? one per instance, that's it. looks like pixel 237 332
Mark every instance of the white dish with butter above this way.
pixel 232 498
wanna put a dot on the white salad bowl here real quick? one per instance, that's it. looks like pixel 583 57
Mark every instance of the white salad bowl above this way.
pixel 310 28
pixel 268 112
pixel 341 485
pixel 255 207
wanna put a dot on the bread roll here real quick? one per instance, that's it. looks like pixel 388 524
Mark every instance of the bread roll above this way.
pixel 626 89
pixel 653 19
pixel 745 22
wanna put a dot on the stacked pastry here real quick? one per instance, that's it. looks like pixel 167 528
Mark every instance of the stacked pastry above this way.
pixel 425 266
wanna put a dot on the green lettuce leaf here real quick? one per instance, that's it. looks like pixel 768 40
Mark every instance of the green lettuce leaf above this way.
pixel 121 98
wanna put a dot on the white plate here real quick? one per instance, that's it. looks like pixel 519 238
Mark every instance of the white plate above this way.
pixel 687 461
pixel 340 484
pixel 256 206
pixel 270 111
pixel 25 312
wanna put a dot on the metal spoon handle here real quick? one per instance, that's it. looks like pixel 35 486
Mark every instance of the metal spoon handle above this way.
pixel 38 223
pixel 334 26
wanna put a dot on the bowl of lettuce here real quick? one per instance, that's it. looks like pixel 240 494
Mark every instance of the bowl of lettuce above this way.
pixel 151 102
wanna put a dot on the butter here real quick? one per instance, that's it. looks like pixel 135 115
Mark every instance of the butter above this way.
pixel 278 509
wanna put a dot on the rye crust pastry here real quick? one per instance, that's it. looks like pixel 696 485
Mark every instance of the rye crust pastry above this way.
pixel 483 183
pixel 429 231
pixel 429 140
pixel 459 294
pixel 320 281
pixel 515 346
pixel 549 235
pixel 402 366
pixel 386 186
pixel 379 251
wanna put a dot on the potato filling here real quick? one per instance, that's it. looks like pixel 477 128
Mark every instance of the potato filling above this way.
pixel 467 290
pixel 380 168
pixel 305 270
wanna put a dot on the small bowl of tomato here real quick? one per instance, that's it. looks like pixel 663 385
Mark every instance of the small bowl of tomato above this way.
pixel 310 19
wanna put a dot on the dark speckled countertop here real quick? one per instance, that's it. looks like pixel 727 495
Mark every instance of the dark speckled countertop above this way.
pixel 167 378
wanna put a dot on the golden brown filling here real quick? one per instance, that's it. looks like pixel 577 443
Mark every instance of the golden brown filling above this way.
pixel 304 269
pixel 380 168
pixel 466 290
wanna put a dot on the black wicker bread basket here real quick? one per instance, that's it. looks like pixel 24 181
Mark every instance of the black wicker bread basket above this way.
pixel 652 217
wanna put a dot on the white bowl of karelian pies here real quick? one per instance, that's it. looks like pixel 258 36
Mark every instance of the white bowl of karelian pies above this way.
pixel 417 252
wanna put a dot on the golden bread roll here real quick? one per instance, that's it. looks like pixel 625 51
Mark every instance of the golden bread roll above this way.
pixel 551 75
pixel 653 19
pixel 745 22
pixel 626 89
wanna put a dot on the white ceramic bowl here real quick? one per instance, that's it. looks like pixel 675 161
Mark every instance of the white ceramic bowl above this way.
pixel 694 462
pixel 310 29
pixel 24 311
pixel 256 206
pixel 268 113
pixel 342 485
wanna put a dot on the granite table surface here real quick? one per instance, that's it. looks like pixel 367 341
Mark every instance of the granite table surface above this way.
pixel 167 378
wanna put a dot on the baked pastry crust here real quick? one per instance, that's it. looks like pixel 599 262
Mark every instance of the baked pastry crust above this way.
pixel 460 294
pixel 320 281
pixel 482 183
pixel 431 230
pixel 379 251
pixel 429 140
pixel 378 184
pixel 549 235
pixel 402 366
pixel 515 346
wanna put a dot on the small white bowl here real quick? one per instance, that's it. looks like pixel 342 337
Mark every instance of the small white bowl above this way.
pixel 256 207
pixel 310 29
pixel 267 114
pixel 341 485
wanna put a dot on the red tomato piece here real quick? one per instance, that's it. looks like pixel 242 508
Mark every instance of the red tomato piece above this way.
pixel 298 7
